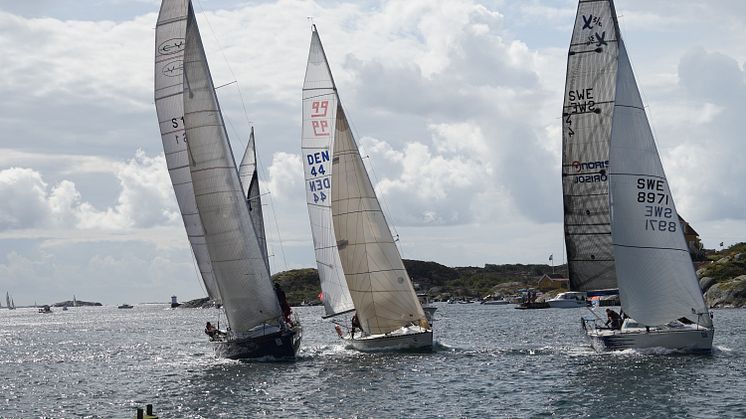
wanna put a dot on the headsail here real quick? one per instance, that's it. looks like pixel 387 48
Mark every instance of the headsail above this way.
pixel 239 266
pixel 379 285
pixel 657 282
pixel 169 104
pixel 590 91
pixel 249 175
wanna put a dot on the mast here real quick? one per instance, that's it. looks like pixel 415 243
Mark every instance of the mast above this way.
pixel 378 283
pixel 169 104
pixel 587 114
pixel 239 266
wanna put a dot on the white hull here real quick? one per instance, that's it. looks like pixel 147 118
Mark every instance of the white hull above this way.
pixel 688 340
pixel 419 341
pixel 566 304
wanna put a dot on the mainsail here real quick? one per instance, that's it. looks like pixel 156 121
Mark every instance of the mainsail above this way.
pixel 238 263
pixel 352 239
pixel 657 282
pixel 169 104
pixel 587 114
pixel 249 175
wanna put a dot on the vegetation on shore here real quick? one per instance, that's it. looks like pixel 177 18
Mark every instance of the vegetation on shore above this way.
pixel 722 275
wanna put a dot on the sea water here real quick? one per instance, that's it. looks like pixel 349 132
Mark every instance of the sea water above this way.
pixel 489 361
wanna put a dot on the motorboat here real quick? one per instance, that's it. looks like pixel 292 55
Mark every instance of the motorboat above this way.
pixel 570 299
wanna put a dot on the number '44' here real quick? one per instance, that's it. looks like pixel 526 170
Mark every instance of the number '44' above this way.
pixel 320 171
pixel 319 197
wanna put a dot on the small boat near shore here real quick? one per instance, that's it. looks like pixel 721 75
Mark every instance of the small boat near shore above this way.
pixel 125 306
pixel 570 299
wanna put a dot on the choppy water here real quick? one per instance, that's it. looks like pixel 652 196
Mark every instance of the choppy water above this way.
pixel 491 361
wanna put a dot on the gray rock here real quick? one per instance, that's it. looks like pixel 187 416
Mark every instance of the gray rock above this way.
pixel 701 272
pixel 706 282
pixel 741 257
pixel 727 294
pixel 724 260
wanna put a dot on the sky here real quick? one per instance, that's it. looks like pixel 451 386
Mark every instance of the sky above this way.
pixel 455 105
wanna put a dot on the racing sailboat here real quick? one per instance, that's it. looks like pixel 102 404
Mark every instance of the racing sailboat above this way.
pixel 211 197
pixel 359 265
pixel 621 226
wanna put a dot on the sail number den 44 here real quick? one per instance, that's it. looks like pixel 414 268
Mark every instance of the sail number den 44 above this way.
pixel 659 215
pixel 319 182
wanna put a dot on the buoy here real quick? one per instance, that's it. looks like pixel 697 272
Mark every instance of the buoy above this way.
pixel 339 330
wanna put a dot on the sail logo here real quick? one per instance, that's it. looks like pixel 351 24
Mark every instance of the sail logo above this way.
pixel 599 176
pixel 173 68
pixel 590 20
pixel 171 46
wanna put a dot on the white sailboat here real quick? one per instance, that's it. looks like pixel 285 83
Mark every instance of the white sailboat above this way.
pixel 621 225
pixel 11 304
pixel 359 265
pixel 220 226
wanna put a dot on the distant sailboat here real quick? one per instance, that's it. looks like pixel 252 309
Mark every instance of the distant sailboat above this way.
pixel 359 264
pixel 621 225
pixel 9 301
pixel 211 197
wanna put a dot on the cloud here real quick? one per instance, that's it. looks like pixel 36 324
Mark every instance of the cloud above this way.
pixel 145 199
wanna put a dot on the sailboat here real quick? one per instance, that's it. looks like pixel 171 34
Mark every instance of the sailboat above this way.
pixel 621 226
pixel 359 265
pixel 11 304
pixel 219 224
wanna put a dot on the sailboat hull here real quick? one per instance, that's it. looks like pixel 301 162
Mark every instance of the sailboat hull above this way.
pixel 281 346
pixel 417 342
pixel 688 340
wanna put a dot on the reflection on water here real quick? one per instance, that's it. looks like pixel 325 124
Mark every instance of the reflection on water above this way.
pixel 489 361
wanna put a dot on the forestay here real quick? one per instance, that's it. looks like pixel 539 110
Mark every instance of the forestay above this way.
pixel 240 270
pixel 319 121
pixel 169 104
pixel 587 115
pixel 657 282
pixel 378 283
pixel 249 175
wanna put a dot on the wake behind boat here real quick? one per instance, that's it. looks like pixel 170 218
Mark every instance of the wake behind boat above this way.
pixel 359 265
pixel 621 225
pixel 220 207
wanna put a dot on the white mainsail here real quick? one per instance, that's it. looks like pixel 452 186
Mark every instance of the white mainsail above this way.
pixel 319 121
pixel 351 236
pixel 590 90
pixel 657 282
pixel 239 266
pixel 169 104
pixel 249 175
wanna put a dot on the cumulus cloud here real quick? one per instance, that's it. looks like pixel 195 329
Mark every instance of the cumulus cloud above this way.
pixel 145 200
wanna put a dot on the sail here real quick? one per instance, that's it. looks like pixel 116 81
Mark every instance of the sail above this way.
pixel 249 175
pixel 657 282
pixel 378 283
pixel 319 119
pixel 169 105
pixel 586 132
pixel 240 270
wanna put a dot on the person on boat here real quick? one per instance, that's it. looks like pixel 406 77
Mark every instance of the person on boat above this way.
pixel 614 318
pixel 286 310
pixel 211 331
pixel 355 325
